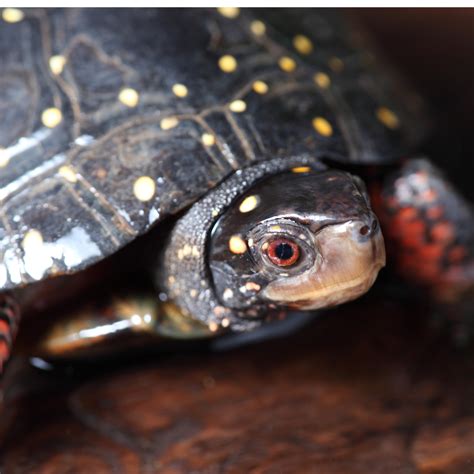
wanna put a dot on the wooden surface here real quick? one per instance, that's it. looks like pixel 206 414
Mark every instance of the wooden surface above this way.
pixel 368 388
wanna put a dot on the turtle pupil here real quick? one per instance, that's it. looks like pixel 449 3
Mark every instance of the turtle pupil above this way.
pixel 284 251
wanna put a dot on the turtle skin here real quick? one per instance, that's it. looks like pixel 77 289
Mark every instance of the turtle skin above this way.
pixel 116 119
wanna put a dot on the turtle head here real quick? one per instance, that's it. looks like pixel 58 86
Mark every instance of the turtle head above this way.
pixel 270 237
pixel 302 239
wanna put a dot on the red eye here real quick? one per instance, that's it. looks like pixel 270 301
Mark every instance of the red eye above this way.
pixel 283 252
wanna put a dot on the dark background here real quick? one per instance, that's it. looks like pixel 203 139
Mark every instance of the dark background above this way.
pixel 435 50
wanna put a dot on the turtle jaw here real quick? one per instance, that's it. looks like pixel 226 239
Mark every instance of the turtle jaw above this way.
pixel 351 255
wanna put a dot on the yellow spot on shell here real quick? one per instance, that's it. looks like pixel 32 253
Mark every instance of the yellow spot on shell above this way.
pixel 32 241
pixel 336 64
pixel 301 169
pixel 388 118
pixel 12 15
pixel 228 294
pixel 302 44
pixel 238 106
pixel 225 323
pixel 51 117
pixel 322 126
pixel 258 28
pixel 275 228
pixel 68 174
pixel 237 245
pixel 4 157
pixel 249 204
pixel 208 139
pixel 129 97
pixel 287 64
pixel 180 90
pixel 229 12
pixel 168 123
pixel 213 327
pixel 260 87
pixel 56 64
pixel 228 63
pixel 322 80
pixel 144 188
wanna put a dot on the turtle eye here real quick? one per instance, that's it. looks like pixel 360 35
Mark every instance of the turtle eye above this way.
pixel 283 252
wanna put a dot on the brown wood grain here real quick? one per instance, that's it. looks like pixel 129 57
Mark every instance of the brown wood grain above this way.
pixel 367 388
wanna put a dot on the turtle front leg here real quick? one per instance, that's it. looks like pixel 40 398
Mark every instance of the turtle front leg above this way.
pixel 105 326
pixel 429 232
pixel 9 319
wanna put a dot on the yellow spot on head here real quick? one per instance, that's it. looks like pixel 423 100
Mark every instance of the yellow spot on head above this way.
pixel 388 118
pixel 129 97
pixel 229 12
pixel 193 293
pixel 302 44
pixel 258 28
pixel 144 188
pixel 33 240
pixel 322 80
pixel 12 15
pixel 301 169
pixel 260 87
pixel 249 204
pixel 51 117
pixel 252 286
pixel 238 106
pixel 208 139
pixel 336 64
pixel 228 63
pixel 237 245
pixel 214 213
pixel 322 126
pixel 180 90
pixel 68 174
pixel 169 122
pixel 275 228
pixel 287 64
pixel 4 157
pixel 56 64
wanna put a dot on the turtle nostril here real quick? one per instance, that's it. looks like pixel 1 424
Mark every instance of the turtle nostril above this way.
pixel 364 230
pixel 375 224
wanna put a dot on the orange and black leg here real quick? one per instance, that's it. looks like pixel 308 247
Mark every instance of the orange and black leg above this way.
pixel 429 233
pixel 9 319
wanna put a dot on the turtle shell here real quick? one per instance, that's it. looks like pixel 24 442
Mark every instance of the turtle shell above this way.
pixel 114 119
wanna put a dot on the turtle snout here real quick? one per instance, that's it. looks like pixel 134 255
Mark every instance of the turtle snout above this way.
pixel 366 228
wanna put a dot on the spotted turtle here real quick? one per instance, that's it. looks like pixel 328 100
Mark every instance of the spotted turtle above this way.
pixel 186 173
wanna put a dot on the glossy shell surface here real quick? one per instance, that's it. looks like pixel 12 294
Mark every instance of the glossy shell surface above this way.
pixel 115 119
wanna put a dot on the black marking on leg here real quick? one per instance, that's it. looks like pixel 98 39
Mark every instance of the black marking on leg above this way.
pixel 9 320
